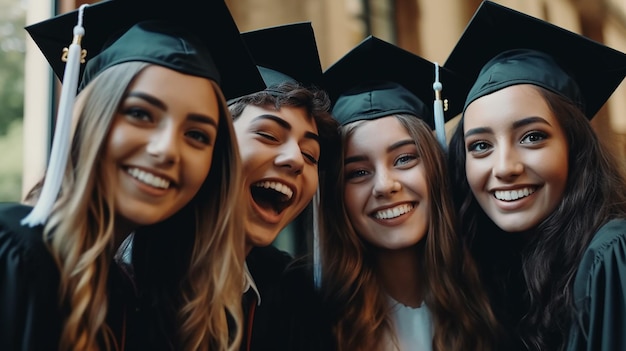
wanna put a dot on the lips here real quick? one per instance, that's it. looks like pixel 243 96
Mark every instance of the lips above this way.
pixel 512 195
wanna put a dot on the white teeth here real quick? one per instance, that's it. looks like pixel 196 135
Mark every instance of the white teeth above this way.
pixel 510 195
pixel 393 212
pixel 149 178
pixel 280 187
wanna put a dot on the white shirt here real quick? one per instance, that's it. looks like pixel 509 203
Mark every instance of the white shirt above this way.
pixel 413 327
pixel 248 283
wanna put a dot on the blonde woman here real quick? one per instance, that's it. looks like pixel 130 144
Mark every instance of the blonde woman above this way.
pixel 142 249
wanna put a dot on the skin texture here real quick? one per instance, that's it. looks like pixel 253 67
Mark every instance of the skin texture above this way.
pixel 386 191
pixel 517 157
pixel 279 150
pixel 164 129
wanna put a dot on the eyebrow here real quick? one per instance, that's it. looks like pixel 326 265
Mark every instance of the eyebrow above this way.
pixel 400 144
pixel 390 148
pixel 517 124
pixel 149 98
pixel 159 104
pixel 284 124
pixel 202 119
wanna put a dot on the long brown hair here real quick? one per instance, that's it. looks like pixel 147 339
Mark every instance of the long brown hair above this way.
pixel 80 231
pixel 461 313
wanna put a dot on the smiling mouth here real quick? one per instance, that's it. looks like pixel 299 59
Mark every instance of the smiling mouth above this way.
pixel 393 212
pixel 148 178
pixel 271 195
pixel 512 195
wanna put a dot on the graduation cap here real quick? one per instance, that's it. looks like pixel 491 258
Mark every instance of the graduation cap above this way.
pixel 301 63
pixel 216 50
pixel 194 37
pixel 501 47
pixel 377 79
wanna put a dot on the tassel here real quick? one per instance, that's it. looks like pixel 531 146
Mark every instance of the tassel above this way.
pixel 438 111
pixel 317 255
pixel 61 142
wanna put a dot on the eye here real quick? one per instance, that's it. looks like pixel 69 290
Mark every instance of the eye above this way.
pixel 266 135
pixel 137 114
pixel 199 136
pixel 312 159
pixel 533 137
pixel 479 146
pixel 405 159
pixel 357 173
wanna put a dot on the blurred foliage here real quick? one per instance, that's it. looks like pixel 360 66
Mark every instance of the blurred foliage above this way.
pixel 12 49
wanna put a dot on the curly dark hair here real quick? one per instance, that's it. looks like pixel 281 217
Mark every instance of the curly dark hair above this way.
pixel 289 94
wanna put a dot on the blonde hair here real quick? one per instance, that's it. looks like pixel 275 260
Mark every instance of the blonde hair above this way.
pixel 80 234
pixel 462 317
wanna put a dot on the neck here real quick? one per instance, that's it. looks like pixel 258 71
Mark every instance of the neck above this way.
pixel 398 272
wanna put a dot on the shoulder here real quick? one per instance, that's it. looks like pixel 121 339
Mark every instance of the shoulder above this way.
pixel 18 243
pixel 606 249
pixel 29 278
pixel 610 237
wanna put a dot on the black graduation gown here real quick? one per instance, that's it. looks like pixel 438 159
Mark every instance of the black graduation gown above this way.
pixel 30 316
pixel 290 316
pixel 600 293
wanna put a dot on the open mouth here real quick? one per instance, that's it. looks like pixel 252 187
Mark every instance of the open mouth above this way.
pixel 270 195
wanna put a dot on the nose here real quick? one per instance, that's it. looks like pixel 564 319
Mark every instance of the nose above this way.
pixel 385 184
pixel 163 145
pixel 508 163
pixel 290 157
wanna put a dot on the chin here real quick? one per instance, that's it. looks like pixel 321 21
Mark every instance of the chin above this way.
pixel 514 227
pixel 260 236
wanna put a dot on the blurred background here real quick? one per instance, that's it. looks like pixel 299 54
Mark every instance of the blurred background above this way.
pixel 429 28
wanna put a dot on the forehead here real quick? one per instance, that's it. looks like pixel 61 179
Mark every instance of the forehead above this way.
pixel 506 106
pixel 368 135
pixel 174 87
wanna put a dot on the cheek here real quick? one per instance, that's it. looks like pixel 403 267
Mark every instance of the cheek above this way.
pixel 118 142
pixel 557 173
pixel 253 155
pixel 312 179
pixel 197 170
pixel 354 201
pixel 474 174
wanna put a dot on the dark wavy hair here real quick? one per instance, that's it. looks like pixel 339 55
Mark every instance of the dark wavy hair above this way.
pixel 549 256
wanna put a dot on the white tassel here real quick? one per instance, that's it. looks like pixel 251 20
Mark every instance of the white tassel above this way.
pixel 440 128
pixel 317 255
pixel 61 142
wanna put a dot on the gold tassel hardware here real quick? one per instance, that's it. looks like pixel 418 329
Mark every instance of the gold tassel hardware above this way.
pixel 83 55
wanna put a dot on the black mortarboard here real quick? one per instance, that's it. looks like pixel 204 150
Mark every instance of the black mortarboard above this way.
pixel 194 37
pixel 300 63
pixel 501 47
pixel 195 40
pixel 377 79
